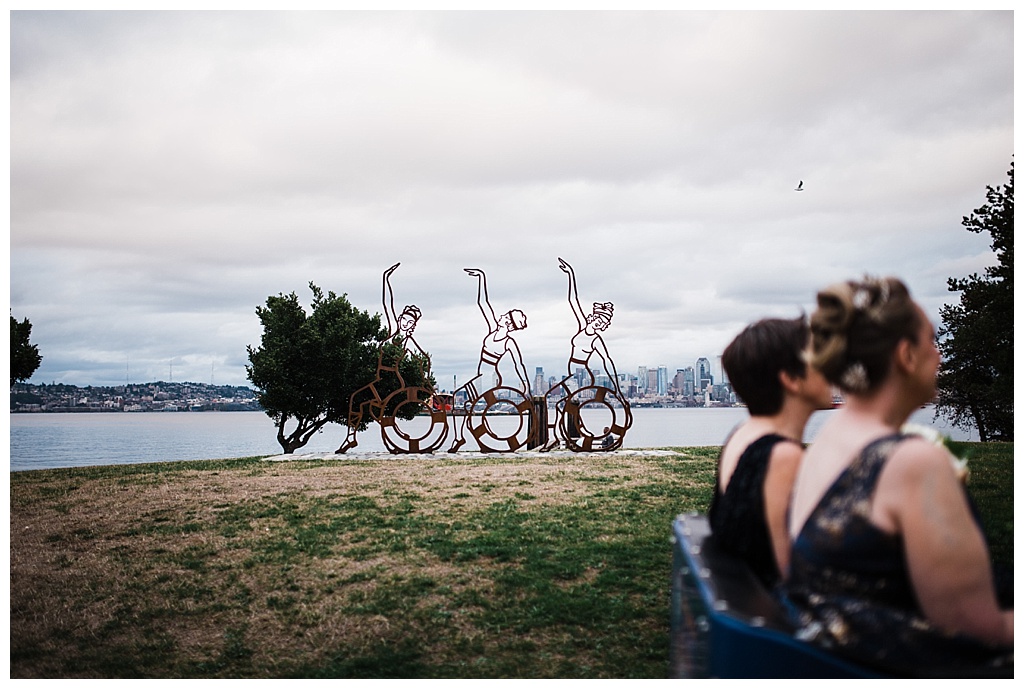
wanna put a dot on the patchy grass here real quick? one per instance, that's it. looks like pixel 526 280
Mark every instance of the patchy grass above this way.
pixel 401 568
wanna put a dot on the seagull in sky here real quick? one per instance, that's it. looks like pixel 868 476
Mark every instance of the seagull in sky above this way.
pixel 800 187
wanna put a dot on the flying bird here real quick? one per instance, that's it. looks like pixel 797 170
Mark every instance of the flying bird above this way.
pixel 800 187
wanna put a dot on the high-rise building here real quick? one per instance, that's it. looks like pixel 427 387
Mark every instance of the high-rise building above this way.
pixel 641 379
pixel 684 383
pixel 704 378
pixel 538 382
pixel 662 380
pixel 677 381
pixel 652 381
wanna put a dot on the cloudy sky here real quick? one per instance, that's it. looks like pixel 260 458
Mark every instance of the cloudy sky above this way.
pixel 170 171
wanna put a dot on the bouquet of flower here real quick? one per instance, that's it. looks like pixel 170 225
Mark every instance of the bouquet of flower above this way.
pixel 939 440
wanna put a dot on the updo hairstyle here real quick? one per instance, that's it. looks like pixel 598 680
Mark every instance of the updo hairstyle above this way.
pixel 856 328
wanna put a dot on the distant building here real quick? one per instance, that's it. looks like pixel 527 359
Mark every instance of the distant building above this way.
pixel 704 377
pixel 683 381
pixel 538 382
pixel 662 380
pixel 652 381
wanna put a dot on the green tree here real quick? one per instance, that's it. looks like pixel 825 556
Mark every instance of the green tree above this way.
pixel 976 337
pixel 25 357
pixel 307 366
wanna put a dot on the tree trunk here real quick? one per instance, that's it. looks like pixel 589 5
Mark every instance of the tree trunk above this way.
pixel 300 436
pixel 980 423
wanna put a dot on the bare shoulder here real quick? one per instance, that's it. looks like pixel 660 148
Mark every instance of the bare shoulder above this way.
pixel 788 454
pixel 915 458
pixel 783 465
pixel 917 479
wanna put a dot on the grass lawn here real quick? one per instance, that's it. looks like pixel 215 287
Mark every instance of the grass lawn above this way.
pixel 557 567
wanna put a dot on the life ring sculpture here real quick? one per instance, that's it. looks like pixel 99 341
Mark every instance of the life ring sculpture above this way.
pixel 574 431
pixel 398 434
pixel 500 402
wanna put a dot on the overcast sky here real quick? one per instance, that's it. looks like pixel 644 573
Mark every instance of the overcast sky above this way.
pixel 170 171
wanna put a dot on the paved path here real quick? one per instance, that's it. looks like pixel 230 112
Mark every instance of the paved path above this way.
pixel 466 454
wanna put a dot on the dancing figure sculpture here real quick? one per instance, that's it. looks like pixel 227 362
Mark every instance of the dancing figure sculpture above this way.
pixel 568 425
pixel 368 403
pixel 500 399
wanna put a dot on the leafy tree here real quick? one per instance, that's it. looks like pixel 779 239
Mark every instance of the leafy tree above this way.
pixel 976 337
pixel 25 357
pixel 308 366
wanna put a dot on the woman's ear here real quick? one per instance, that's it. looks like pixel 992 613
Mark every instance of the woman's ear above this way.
pixel 790 383
pixel 905 356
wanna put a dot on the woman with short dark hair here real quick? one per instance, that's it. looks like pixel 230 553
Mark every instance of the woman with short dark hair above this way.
pixel 766 367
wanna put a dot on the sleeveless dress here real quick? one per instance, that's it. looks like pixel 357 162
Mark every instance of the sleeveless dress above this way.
pixel 737 516
pixel 850 591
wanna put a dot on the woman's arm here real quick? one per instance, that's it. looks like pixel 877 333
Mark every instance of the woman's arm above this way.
pixel 388 301
pixel 482 299
pixel 517 358
pixel 574 300
pixel 606 361
pixel 778 486
pixel 920 498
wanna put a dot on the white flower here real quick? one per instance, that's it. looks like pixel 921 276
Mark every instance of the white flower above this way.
pixel 855 378
pixel 926 432
pixel 935 438
pixel 861 299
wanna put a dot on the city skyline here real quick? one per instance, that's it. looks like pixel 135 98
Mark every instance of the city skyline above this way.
pixel 170 171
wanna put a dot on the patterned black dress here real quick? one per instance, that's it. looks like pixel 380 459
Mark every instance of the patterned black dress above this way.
pixel 737 516
pixel 851 593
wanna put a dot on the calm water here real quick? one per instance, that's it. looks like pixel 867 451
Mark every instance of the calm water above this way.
pixel 45 441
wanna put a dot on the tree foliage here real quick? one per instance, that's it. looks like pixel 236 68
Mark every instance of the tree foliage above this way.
pixel 25 356
pixel 307 366
pixel 976 337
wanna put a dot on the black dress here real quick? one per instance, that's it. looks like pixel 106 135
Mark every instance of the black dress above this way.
pixel 737 516
pixel 851 592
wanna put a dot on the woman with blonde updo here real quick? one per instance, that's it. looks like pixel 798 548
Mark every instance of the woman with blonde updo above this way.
pixel 888 566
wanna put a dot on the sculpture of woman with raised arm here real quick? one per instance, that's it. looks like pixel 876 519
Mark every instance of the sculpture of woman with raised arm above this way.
pixel 497 344
pixel 585 344
pixel 367 400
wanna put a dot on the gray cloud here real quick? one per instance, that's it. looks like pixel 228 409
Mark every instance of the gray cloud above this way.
pixel 169 171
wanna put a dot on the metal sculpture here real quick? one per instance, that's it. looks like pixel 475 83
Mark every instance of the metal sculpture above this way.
pixel 568 425
pixel 503 400
pixel 372 402
pixel 398 437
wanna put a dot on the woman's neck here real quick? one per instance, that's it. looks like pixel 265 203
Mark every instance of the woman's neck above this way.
pixel 789 422
pixel 885 406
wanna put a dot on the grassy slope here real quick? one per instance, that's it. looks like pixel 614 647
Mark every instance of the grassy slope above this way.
pixel 496 567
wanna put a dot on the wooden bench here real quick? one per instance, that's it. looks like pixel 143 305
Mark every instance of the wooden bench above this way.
pixel 726 624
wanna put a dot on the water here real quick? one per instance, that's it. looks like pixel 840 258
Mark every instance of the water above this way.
pixel 46 441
